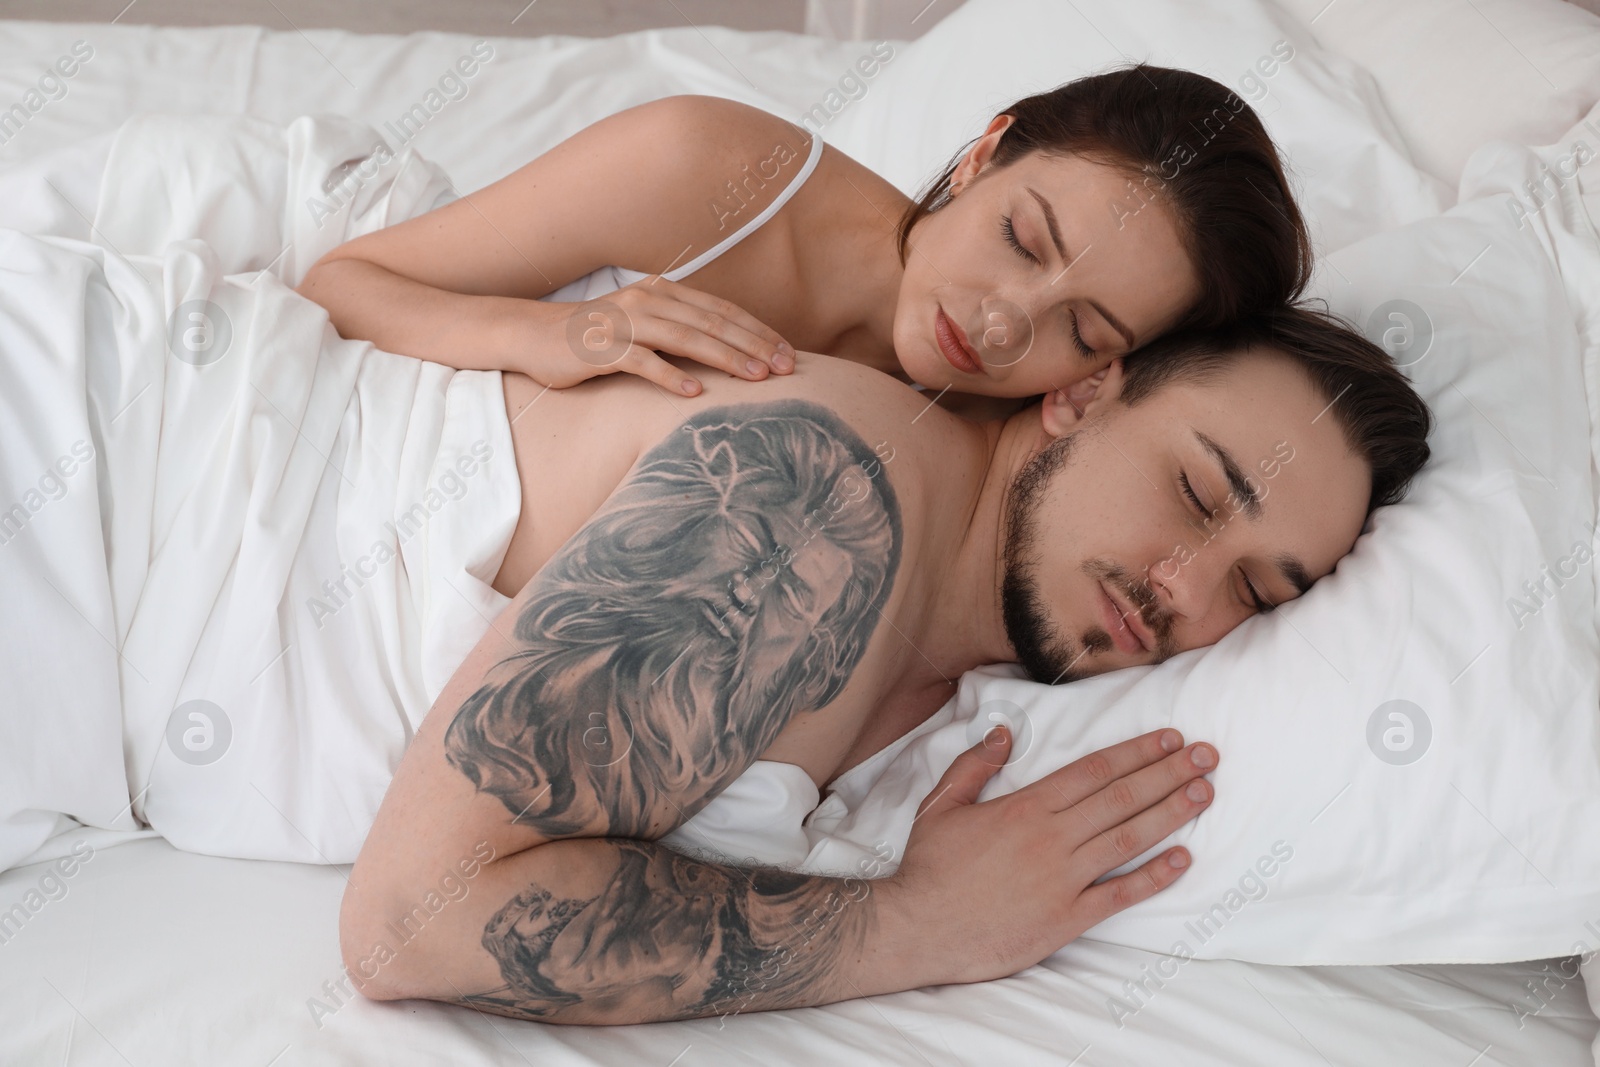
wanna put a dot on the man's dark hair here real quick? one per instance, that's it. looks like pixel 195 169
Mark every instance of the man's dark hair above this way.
pixel 1383 418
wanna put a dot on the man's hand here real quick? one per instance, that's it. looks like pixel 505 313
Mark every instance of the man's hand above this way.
pixel 1002 884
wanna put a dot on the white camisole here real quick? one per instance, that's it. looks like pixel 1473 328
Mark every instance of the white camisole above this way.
pixel 609 279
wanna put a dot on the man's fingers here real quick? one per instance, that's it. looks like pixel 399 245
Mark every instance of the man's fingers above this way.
pixel 1100 902
pixel 1125 797
pixel 1085 777
pixel 1119 842
pixel 969 773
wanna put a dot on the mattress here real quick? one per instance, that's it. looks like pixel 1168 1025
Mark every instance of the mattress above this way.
pixel 145 954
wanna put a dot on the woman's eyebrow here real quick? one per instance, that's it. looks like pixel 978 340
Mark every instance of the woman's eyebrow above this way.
pixel 1050 221
pixel 1061 249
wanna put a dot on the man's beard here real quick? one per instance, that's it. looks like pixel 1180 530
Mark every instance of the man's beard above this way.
pixel 1048 655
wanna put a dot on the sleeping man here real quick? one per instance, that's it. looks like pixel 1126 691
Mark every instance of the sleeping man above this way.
pixel 797 570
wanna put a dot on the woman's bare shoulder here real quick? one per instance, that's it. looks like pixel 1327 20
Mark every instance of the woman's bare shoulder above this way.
pixel 719 161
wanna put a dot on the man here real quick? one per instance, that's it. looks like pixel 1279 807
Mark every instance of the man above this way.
pixel 797 570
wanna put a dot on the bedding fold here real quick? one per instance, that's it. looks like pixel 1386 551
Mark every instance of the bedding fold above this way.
pixel 255 548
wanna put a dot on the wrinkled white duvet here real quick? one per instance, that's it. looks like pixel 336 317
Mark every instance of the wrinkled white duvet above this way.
pixel 250 550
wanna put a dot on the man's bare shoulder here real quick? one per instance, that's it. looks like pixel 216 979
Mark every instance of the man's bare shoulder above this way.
pixel 599 428
pixel 871 403
pixel 577 446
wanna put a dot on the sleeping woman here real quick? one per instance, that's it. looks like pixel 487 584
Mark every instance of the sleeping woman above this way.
pixel 1084 222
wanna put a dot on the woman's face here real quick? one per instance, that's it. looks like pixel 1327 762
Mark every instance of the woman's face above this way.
pixel 1036 275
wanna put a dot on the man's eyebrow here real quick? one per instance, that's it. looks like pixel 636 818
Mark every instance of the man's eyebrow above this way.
pixel 1061 249
pixel 1249 498
pixel 1294 572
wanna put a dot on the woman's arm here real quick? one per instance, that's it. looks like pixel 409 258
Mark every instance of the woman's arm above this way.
pixel 639 189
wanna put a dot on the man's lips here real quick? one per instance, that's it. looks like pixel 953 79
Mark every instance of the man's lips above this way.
pixel 1126 627
pixel 953 343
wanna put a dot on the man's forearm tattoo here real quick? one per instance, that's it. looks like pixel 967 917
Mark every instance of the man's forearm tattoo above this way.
pixel 673 937
pixel 733 581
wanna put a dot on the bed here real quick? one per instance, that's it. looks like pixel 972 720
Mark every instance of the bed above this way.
pixel 147 954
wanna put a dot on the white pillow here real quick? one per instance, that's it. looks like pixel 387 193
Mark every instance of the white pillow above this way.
pixel 1352 176
pixel 1457 74
pixel 1324 845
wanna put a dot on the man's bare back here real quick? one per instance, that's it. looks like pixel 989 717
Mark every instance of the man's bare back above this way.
pixel 894 453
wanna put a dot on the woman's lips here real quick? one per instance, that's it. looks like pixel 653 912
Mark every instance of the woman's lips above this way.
pixel 955 348
pixel 1122 635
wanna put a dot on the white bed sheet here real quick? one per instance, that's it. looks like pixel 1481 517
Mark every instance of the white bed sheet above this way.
pixel 154 956
pixel 157 956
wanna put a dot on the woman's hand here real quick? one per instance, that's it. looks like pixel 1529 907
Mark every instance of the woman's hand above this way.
pixel 629 330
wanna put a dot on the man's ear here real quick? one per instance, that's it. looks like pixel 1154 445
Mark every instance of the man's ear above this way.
pixel 1065 409
pixel 979 154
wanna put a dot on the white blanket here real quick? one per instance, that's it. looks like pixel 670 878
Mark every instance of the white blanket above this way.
pixel 252 552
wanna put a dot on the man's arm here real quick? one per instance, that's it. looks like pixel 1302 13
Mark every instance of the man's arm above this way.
pixel 618 931
pixel 732 583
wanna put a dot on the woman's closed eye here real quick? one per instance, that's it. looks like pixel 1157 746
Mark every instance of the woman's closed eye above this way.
pixel 1077 339
pixel 1010 233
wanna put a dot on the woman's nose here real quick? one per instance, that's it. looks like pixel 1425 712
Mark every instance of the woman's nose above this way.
pixel 1002 331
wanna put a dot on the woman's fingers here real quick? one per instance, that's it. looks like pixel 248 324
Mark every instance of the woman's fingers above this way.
pixel 646 364
pixel 735 326
pixel 679 321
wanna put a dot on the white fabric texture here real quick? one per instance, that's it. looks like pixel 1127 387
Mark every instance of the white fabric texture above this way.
pixel 1322 111
pixel 129 941
pixel 294 528
pixel 1542 58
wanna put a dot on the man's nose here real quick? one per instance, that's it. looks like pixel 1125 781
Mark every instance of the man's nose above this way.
pixel 1190 580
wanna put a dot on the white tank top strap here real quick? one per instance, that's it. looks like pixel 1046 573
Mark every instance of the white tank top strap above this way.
pixel 677 274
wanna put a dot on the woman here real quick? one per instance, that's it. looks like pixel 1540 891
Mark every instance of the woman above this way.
pixel 1084 222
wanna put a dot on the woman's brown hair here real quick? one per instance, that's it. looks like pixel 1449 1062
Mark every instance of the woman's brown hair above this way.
pixel 1190 143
